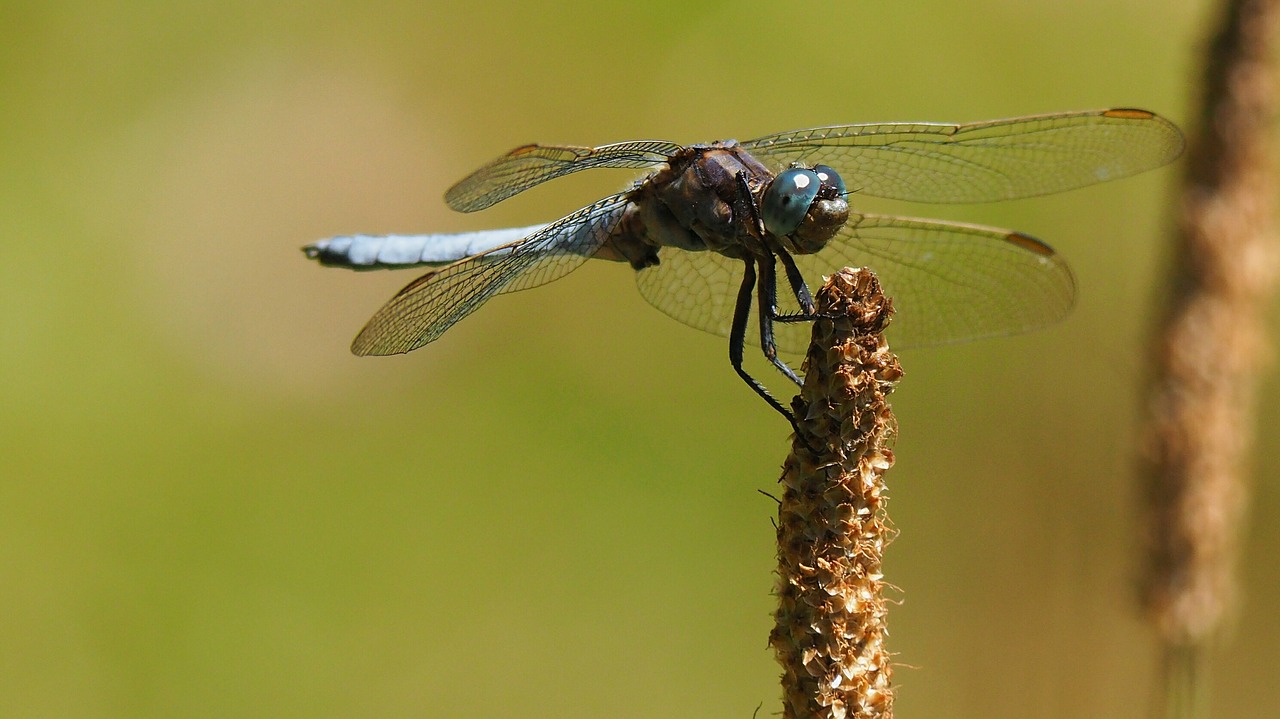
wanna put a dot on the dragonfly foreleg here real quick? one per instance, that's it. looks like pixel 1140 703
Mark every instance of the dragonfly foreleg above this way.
pixel 738 336
pixel 748 202
pixel 798 286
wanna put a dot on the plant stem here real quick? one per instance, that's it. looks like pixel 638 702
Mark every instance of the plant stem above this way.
pixel 1209 350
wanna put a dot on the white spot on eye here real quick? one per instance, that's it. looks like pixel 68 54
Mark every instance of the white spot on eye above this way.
pixel 802 181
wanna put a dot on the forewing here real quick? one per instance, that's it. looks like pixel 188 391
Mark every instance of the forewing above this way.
pixel 949 282
pixel 434 302
pixel 982 161
pixel 531 165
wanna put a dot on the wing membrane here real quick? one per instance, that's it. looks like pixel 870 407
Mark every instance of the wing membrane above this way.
pixel 949 281
pixel 434 302
pixel 531 165
pixel 982 161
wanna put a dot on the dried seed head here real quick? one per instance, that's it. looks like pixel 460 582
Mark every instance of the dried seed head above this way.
pixel 830 630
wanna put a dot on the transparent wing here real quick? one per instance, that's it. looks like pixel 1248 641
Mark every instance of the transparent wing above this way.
pixel 531 165
pixel 982 161
pixel 434 302
pixel 949 282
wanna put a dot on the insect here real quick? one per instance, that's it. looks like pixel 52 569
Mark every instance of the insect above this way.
pixel 711 227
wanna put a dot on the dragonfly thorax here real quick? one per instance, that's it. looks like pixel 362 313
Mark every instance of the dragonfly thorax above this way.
pixel 710 197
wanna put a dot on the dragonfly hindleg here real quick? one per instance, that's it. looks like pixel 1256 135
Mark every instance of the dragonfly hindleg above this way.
pixel 738 336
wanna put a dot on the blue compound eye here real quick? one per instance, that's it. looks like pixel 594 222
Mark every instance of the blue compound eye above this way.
pixel 787 200
pixel 830 177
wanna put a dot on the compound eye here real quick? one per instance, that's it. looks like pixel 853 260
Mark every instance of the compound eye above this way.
pixel 830 177
pixel 787 200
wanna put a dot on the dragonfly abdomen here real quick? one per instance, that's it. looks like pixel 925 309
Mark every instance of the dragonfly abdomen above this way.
pixel 374 252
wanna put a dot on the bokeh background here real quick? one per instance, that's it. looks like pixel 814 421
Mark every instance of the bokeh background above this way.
pixel 208 508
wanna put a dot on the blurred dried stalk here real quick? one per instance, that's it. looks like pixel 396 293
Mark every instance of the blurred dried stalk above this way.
pixel 1211 345
pixel 832 527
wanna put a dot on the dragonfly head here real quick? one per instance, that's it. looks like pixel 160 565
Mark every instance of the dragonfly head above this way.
pixel 805 207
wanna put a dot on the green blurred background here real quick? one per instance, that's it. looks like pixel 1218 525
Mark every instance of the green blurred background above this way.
pixel 210 509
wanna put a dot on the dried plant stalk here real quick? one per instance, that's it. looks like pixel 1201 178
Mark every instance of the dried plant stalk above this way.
pixel 1212 345
pixel 832 527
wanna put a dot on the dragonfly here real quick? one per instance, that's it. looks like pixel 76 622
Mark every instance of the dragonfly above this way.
pixel 711 226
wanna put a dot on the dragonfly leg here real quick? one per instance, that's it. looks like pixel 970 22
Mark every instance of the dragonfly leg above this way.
pixel 749 204
pixel 738 336
pixel 769 311
pixel 798 286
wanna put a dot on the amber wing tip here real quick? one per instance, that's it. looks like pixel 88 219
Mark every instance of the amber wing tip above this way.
pixel 1130 113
